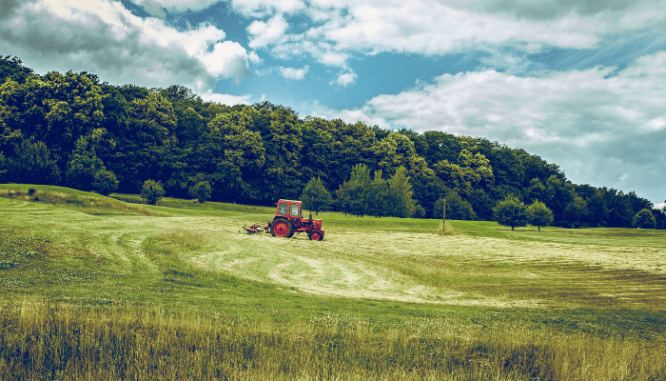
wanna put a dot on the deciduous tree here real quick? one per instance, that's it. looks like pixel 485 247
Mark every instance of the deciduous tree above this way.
pixel 644 220
pixel 32 164
pixel 378 194
pixel 201 191
pixel 315 196
pixel 510 212
pixel 104 182
pixel 353 194
pixel 82 166
pixel 400 194
pixel 539 215
pixel 456 208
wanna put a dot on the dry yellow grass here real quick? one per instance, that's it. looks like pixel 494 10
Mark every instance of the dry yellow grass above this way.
pixel 64 342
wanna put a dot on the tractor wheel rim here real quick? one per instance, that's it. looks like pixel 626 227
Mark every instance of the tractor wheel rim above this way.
pixel 281 229
pixel 315 236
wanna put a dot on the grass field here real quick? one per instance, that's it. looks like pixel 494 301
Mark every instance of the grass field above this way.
pixel 107 288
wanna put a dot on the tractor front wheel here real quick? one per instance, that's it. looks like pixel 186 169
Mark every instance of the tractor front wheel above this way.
pixel 315 236
pixel 281 228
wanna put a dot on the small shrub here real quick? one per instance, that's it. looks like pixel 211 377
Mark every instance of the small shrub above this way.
pixel 448 229
pixel 105 182
pixel 152 191
pixel 201 191
pixel 31 191
pixel 418 212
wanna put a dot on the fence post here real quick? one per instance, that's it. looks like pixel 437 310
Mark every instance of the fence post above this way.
pixel 444 217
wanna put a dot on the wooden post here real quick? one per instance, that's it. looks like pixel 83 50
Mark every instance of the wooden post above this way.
pixel 444 217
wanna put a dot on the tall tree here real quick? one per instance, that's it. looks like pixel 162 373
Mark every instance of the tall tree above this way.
pixel 400 194
pixel 317 158
pixel 315 196
pixel 82 166
pixel 575 213
pixel 482 204
pixel 378 194
pixel 231 155
pixel 145 149
pixel 281 178
pixel 3 167
pixel 353 194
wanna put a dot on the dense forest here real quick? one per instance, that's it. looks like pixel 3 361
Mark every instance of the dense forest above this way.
pixel 74 130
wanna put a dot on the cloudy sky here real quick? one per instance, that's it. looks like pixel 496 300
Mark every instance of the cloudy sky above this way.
pixel 581 83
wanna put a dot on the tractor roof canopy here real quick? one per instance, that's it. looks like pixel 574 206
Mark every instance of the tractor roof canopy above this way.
pixel 293 208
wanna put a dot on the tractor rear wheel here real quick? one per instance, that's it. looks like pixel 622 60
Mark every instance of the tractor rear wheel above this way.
pixel 281 228
pixel 315 236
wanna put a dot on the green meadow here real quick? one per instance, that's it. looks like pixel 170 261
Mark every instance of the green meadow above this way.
pixel 107 288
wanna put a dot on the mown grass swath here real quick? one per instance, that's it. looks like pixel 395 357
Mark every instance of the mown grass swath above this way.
pixel 93 287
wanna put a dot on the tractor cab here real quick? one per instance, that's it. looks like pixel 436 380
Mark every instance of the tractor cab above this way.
pixel 288 209
pixel 289 220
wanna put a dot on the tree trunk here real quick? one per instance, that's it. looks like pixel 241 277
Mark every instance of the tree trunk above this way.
pixel 539 227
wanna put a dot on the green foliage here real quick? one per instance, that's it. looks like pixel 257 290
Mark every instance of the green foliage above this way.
pixel 264 152
pixel 456 208
pixel 418 212
pixel 378 196
pixel 3 167
pixel 536 191
pixel 482 204
pixel 559 194
pixel 352 195
pixel 152 191
pixel 539 215
pixel 315 196
pixel 575 213
pixel 32 164
pixel 201 191
pixel 400 202
pixel 105 182
pixel 83 166
pixel 510 212
pixel 644 220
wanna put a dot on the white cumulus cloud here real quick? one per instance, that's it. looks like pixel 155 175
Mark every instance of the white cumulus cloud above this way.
pixel 601 129
pixel 291 73
pixel 103 37
pixel 339 29
pixel 225 99
pixel 345 79
pixel 262 8
pixel 264 33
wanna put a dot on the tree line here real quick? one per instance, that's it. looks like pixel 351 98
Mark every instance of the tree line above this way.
pixel 74 130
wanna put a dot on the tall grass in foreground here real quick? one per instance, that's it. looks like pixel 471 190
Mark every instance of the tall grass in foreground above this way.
pixel 44 341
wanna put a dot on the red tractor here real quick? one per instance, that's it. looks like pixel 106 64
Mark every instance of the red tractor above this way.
pixel 289 220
